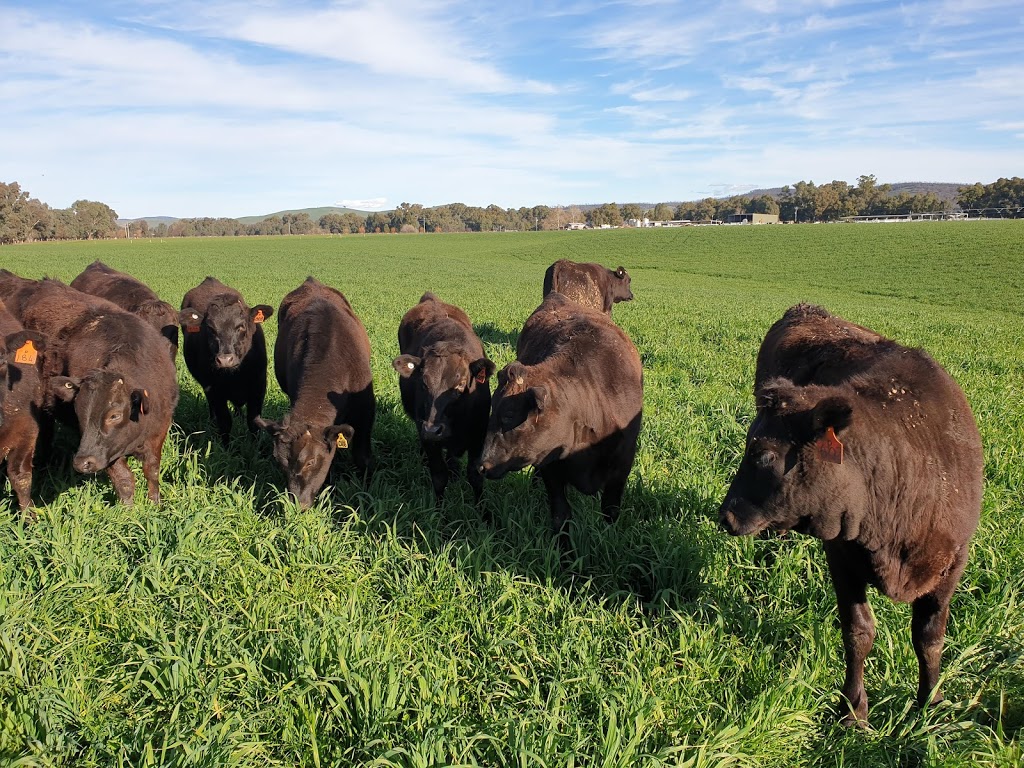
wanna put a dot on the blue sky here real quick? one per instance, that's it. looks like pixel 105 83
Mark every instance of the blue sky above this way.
pixel 226 108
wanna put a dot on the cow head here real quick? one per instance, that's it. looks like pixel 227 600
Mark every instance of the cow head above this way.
pixel 161 316
pixel 229 327
pixel 620 285
pixel 792 474
pixel 524 428
pixel 443 378
pixel 111 416
pixel 305 453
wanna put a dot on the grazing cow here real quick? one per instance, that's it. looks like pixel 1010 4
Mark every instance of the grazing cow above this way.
pixel 21 398
pixel 113 368
pixel 444 384
pixel 588 284
pixel 225 351
pixel 132 295
pixel 322 362
pixel 570 405
pixel 872 448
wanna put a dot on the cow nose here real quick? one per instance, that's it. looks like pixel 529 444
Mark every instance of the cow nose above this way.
pixel 226 361
pixel 484 467
pixel 433 431
pixel 86 464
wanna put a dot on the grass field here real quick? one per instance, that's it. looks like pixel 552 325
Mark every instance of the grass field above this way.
pixel 228 627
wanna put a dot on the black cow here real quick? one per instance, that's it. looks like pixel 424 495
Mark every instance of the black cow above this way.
pixel 133 295
pixel 21 400
pixel 444 385
pixel 872 448
pixel 570 405
pixel 225 351
pixel 588 284
pixel 114 369
pixel 322 362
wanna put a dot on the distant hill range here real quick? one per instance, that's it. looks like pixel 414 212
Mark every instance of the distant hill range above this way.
pixel 314 214
pixel 946 192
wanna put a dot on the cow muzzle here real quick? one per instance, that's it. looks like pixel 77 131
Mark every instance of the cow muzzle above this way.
pixel 226 361
pixel 86 464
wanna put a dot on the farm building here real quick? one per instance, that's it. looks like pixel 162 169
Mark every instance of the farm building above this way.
pixel 753 218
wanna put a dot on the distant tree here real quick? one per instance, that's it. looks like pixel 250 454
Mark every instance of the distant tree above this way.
pixel 661 212
pixel 15 214
pixel 631 211
pixel 94 220
pixel 607 215
pixel 765 204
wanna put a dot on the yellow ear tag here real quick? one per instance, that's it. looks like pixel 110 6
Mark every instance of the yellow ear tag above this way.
pixel 259 316
pixel 26 354
pixel 342 442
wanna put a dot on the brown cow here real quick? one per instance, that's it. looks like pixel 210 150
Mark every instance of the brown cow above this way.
pixel 225 351
pixel 588 284
pixel 444 384
pixel 21 398
pixel 113 368
pixel 130 294
pixel 872 448
pixel 322 362
pixel 570 405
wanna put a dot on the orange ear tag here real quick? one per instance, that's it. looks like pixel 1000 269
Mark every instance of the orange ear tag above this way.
pixel 481 376
pixel 259 316
pixel 26 354
pixel 829 448
pixel 342 442
pixel 191 329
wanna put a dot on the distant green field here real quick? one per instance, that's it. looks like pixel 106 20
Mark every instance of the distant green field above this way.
pixel 228 627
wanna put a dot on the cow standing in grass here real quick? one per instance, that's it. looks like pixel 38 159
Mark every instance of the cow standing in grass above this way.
pixel 224 349
pixel 570 405
pixel 111 369
pixel 444 380
pixel 322 362
pixel 872 448
pixel 21 401
pixel 588 284
pixel 133 295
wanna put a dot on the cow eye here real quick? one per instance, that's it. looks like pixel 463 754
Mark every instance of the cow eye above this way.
pixel 240 329
pixel 309 464
pixel 765 459
pixel 115 416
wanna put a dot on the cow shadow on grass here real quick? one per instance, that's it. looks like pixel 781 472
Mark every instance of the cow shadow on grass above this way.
pixel 492 334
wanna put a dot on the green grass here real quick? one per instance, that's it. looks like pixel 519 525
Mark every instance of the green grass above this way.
pixel 228 627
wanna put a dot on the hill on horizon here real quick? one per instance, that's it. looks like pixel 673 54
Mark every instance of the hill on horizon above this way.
pixel 946 191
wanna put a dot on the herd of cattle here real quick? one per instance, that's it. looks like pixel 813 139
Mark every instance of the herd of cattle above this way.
pixel 857 440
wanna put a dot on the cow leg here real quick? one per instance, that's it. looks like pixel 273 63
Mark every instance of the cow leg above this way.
pixel 19 472
pixel 254 407
pixel 611 496
pixel 438 468
pixel 151 467
pixel 561 512
pixel 124 481
pixel 928 632
pixel 221 415
pixel 858 628
pixel 362 453
pixel 44 440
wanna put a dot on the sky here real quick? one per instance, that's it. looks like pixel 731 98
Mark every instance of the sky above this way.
pixel 227 108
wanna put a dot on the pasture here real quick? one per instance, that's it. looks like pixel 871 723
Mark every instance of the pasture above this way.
pixel 229 627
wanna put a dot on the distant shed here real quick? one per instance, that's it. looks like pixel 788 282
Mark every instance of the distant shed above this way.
pixel 753 218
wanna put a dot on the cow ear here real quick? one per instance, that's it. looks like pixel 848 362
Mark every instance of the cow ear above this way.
pixel 260 312
pixel 831 412
pixel 339 435
pixel 190 319
pixel 25 346
pixel 777 395
pixel 541 396
pixel 406 365
pixel 64 388
pixel 511 377
pixel 481 370
pixel 140 404
pixel 273 428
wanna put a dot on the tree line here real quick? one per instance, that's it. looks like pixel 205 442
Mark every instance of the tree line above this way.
pixel 24 218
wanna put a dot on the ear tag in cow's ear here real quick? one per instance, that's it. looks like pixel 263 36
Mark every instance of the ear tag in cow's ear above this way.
pixel 259 318
pixel 194 327
pixel 829 448
pixel 26 354
pixel 481 376
pixel 142 405
pixel 342 442
pixel 410 366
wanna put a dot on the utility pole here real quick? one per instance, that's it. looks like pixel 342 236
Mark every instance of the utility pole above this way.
pixel 796 215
